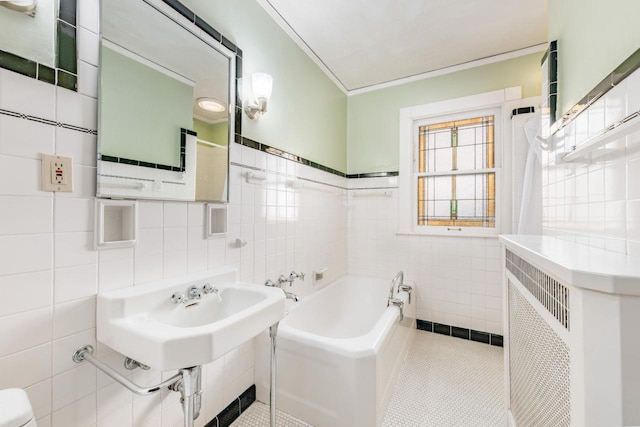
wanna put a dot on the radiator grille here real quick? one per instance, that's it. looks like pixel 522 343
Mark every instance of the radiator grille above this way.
pixel 553 295
pixel 539 364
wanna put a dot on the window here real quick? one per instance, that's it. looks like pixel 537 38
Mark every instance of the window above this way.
pixel 450 156
pixel 455 173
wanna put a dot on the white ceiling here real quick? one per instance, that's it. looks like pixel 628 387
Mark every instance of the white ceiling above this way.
pixel 361 43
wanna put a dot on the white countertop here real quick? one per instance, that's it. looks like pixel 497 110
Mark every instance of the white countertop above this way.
pixel 579 265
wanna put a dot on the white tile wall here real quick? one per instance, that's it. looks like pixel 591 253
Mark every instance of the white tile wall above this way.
pixel 50 270
pixel 47 260
pixel 457 278
pixel 595 203
pixel 48 263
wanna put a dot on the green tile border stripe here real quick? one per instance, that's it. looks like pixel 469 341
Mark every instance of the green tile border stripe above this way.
pixel 47 122
pixel 67 76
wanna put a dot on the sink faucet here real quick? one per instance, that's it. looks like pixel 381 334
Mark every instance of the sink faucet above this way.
pixel 193 292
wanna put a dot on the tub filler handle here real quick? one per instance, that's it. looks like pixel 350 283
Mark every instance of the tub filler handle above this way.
pixel 405 288
pixel 400 304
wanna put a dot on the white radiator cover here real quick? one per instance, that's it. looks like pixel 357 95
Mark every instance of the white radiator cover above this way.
pixel 539 366
pixel 572 357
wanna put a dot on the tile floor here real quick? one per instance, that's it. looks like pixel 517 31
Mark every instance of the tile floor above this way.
pixel 444 382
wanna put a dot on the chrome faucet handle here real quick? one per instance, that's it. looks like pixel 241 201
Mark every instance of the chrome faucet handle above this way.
pixel 207 288
pixel 177 297
pixel 193 292
pixel 270 283
pixel 398 303
pixel 405 288
pixel 282 279
pixel 293 276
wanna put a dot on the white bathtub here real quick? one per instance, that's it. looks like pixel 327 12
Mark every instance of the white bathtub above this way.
pixel 339 352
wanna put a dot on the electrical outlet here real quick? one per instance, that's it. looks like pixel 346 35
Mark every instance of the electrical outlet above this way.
pixel 57 173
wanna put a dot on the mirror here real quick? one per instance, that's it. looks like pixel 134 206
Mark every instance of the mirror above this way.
pixel 165 106
pixel 29 29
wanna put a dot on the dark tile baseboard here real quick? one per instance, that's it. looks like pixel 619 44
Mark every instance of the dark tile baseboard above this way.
pixel 463 333
pixel 235 408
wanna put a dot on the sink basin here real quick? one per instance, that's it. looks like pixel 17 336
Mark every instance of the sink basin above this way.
pixel 142 323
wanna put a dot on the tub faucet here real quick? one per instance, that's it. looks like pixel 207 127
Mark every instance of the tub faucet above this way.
pixel 288 295
pixel 405 288
pixel 400 304
pixel 283 279
pixel 398 277
pixel 293 276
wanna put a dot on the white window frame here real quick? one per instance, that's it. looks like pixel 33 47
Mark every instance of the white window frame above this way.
pixel 411 117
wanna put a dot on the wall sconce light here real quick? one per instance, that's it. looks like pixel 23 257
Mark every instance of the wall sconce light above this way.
pixel 262 85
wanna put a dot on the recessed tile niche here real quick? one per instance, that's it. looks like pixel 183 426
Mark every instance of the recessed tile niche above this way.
pixel 116 223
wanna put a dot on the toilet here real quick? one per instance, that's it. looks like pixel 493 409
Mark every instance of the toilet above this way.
pixel 15 409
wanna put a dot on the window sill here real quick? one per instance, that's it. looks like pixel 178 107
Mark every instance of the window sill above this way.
pixel 448 234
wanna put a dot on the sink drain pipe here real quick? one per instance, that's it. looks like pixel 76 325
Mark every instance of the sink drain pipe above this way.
pixel 187 381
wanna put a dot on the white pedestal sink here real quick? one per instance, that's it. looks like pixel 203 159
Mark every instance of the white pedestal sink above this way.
pixel 143 323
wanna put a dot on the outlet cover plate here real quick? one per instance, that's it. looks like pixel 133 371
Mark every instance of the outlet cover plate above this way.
pixel 57 173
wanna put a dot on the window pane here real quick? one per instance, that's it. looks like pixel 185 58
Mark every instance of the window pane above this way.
pixel 467 136
pixel 443 159
pixel 467 198
pixel 466 157
pixel 457 200
pixel 443 139
pixel 467 210
pixel 442 209
pixel 442 186
pixel 459 145
pixel 466 187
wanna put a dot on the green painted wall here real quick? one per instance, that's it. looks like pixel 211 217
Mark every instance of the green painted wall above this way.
pixel 212 132
pixel 147 106
pixel 373 116
pixel 594 37
pixel 307 113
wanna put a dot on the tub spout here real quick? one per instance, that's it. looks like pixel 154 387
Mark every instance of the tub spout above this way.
pixel 400 304
pixel 399 279
pixel 290 295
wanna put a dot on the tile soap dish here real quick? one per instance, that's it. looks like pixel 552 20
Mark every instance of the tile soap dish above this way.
pixel 116 223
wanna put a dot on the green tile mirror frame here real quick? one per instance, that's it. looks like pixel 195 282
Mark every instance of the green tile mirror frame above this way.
pixel 57 65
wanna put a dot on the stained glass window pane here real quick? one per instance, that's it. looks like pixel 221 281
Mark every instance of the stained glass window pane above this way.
pixel 463 198
pixel 466 157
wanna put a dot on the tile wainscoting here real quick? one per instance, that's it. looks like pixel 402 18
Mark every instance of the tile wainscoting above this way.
pixel 596 203
pixel 457 278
